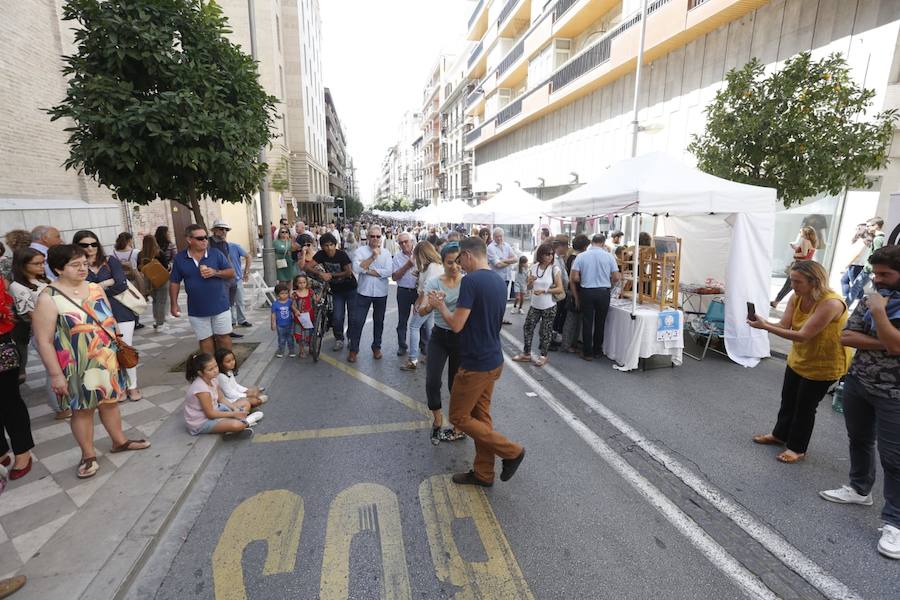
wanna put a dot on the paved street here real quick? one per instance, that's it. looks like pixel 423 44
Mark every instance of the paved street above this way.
pixel 636 485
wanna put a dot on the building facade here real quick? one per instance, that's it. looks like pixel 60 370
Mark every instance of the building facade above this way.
pixel 456 160
pixel 553 102
pixel 337 149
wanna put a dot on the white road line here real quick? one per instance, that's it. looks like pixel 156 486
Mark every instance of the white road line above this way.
pixel 826 583
pixel 746 581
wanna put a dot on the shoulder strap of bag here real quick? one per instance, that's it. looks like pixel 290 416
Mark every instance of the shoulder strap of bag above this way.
pixel 89 313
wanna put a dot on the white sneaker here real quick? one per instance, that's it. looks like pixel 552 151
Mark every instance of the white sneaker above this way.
pixel 292 355
pixel 253 418
pixel 279 355
pixel 846 495
pixel 889 544
pixel 338 346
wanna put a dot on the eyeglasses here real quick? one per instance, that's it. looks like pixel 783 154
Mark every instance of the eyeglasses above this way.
pixel 200 238
pixel 89 244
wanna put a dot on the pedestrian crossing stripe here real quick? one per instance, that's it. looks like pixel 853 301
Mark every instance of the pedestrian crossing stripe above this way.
pixel 334 432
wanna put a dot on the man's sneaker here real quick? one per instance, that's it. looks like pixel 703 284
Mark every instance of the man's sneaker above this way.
pixel 889 544
pixel 510 465
pixel 470 479
pixel 410 365
pixel 246 324
pixel 236 335
pixel 846 495
pixel 401 351
pixel 338 346
pixel 435 436
pixel 253 418
pixel 279 355
pixel 292 355
pixel 449 435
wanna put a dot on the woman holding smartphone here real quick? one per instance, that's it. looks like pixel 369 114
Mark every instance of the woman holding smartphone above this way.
pixel 813 321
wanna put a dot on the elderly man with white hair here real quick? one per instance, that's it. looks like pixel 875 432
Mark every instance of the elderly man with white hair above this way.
pixel 373 267
pixel 404 273
pixel 501 258
pixel 44 237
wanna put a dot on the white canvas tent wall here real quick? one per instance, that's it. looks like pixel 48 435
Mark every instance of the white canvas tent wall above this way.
pixel 715 218
pixel 510 206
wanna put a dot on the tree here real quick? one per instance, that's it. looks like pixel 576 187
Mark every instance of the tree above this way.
pixel 164 106
pixel 354 207
pixel 801 130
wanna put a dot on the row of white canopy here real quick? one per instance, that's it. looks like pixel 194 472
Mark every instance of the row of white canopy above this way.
pixel 727 228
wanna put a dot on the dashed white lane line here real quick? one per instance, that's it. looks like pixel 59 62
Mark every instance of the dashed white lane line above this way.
pixel 790 556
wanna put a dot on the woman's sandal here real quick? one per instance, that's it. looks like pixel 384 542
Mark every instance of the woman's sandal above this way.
pixel 767 439
pixel 522 358
pixel 130 445
pixel 541 361
pixel 88 467
pixel 131 397
pixel 790 458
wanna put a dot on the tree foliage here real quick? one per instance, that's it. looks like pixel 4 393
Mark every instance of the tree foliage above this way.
pixel 354 207
pixel 400 203
pixel 801 130
pixel 163 104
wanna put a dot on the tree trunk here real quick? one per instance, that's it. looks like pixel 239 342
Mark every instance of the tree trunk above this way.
pixel 195 208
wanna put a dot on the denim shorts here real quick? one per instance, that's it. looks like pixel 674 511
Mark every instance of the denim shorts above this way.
pixel 206 327
pixel 207 425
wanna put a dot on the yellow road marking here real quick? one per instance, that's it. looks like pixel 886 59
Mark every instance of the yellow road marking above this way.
pixel 333 432
pixel 274 517
pixel 500 576
pixel 364 507
pixel 387 390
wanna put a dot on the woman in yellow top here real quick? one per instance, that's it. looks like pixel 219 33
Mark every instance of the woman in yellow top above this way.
pixel 813 321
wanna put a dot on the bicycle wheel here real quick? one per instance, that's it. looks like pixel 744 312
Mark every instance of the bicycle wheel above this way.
pixel 315 345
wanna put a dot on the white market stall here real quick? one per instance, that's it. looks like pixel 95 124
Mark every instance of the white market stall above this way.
pixel 510 206
pixel 726 227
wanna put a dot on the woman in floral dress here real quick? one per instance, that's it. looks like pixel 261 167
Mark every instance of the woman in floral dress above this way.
pixel 80 357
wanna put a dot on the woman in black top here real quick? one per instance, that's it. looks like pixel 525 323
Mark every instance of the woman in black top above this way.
pixel 334 266
pixel 107 272
pixel 150 250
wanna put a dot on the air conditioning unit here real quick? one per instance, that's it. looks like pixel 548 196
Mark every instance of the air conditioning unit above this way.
pixel 562 52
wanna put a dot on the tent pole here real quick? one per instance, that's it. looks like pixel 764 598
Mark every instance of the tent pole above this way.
pixel 636 224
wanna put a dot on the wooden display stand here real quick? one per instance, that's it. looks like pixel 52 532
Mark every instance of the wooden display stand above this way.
pixel 659 272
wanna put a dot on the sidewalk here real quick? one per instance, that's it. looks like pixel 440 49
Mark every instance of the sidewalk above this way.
pixel 62 531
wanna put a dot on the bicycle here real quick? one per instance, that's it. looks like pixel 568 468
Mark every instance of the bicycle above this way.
pixel 324 308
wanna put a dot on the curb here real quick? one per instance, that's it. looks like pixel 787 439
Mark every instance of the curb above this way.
pixel 118 530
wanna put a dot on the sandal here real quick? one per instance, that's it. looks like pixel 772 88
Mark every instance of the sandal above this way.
pixel 88 467
pixel 791 458
pixel 131 445
pixel 522 357
pixel 767 439
pixel 541 361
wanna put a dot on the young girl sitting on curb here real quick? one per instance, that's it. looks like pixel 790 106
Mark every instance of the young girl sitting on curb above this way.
pixel 228 385
pixel 205 409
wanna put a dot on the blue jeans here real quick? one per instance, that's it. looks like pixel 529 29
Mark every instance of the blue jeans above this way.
pixel 405 299
pixel 285 337
pixel 856 288
pixel 358 316
pixel 847 280
pixel 869 418
pixel 418 324
pixel 343 304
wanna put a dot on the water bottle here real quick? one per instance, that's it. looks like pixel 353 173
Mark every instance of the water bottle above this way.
pixel 837 400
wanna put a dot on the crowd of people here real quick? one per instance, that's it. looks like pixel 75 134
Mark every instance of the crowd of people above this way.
pixel 453 286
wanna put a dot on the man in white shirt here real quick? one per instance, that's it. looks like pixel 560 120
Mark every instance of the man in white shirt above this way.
pixel 404 273
pixel 501 258
pixel 44 237
pixel 373 267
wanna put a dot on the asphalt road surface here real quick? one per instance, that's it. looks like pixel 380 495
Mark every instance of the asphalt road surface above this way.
pixel 636 485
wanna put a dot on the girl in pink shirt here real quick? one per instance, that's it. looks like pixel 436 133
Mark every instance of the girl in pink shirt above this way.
pixel 205 408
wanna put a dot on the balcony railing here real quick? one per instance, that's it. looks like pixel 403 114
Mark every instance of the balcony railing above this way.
pixel 477 10
pixel 590 59
pixel 472 98
pixel 514 55
pixel 476 52
pixel 507 10
pixel 509 111
pixel 473 135
pixel 561 7
pixel 695 3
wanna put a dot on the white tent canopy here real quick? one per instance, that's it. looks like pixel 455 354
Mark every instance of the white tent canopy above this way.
pixel 511 206
pixel 715 218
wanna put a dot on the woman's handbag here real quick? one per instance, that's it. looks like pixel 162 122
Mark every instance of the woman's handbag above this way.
pixel 9 355
pixel 132 298
pixel 126 355
pixel 281 263
pixel 155 273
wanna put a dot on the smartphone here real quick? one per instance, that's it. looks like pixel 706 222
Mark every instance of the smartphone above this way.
pixel 751 311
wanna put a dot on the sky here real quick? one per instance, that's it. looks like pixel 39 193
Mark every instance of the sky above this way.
pixel 376 57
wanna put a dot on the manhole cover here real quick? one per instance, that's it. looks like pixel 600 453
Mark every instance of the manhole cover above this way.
pixel 241 351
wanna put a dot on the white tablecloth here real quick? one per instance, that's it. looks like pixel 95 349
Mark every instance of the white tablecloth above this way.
pixel 626 341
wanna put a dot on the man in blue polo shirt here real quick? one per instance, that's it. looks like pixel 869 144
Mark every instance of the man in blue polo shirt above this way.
pixel 204 271
pixel 478 318
pixel 594 271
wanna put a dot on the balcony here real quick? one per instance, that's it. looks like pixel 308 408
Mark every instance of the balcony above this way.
pixel 478 21
pixel 473 136
pixel 515 54
pixel 476 52
pixel 472 98
pixel 509 111
pixel 561 7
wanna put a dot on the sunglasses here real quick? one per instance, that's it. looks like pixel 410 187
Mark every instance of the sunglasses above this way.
pixel 200 238
pixel 377 237
pixel 89 244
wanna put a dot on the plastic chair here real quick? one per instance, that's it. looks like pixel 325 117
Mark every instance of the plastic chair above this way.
pixel 260 288
pixel 711 326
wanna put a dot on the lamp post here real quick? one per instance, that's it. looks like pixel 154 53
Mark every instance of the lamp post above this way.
pixel 636 128
pixel 268 253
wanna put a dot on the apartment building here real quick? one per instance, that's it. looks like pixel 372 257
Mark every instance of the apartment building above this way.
pixel 434 97
pixel 337 149
pixel 456 161
pixel 553 102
